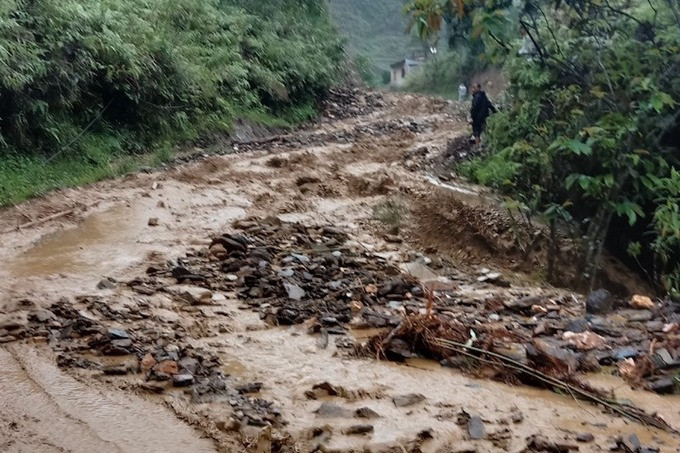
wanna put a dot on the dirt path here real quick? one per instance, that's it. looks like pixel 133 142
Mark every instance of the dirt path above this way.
pixel 333 175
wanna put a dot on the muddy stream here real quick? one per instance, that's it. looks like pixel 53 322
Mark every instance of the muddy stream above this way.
pixel 46 408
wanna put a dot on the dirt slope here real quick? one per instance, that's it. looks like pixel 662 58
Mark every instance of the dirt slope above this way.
pixel 100 269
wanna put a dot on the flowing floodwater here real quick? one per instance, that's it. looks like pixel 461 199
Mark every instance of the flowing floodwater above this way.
pixel 44 410
pixel 103 240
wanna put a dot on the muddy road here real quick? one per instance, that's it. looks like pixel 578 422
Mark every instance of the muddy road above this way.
pixel 127 327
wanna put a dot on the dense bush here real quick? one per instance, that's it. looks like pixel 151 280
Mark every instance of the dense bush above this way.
pixel 591 138
pixel 78 73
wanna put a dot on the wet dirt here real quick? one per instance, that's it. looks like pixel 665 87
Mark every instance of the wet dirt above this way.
pixel 45 410
pixel 334 175
pixel 100 240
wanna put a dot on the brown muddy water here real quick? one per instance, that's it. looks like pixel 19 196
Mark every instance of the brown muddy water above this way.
pixel 44 410
pixel 100 241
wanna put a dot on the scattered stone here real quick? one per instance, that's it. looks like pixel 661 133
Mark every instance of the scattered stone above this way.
pixel 599 302
pixel 147 362
pixel 475 428
pixel 254 387
pixel 153 221
pixel 182 380
pixel 294 291
pixel 366 412
pixel 106 283
pixel 584 341
pixel 358 430
pixel 408 400
pixel 539 443
pixel 577 326
pixel 630 444
pixel 626 352
pixel 169 367
pixel 641 302
pixel 517 417
pixel 585 437
pixel 330 410
pixel 394 239
pixel 118 334
pixel 189 365
pixel 116 370
pixel 664 385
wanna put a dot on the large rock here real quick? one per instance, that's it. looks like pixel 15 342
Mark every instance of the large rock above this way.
pixel 599 302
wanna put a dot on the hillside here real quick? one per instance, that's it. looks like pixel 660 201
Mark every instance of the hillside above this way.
pixel 375 29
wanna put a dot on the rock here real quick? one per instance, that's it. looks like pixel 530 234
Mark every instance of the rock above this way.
pixel 294 291
pixel 394 239
pixel 475 428
pixel 554 352
pixel 106 283
pixel 663 359
pixel 286 272
pixel 408 400
pixel 366 412
pixel 599 302
pixel 641 302
pixel 153 221
pixel 577 326
pixel 585 437
pixel 517 417
pixel 625 352
pixel 584 341
pixel 514 351
pixel 116 370
pixel 167 367
pixel 330 410
pixel 181 274
pixel 122 344
pixel 182 380
pixel 195 295
pixel 253 387
pixel 147 363
pixel 358 429
pixel 43 316
pixel 665 385
pixel 114 349
pixel 188 364
pixel 637 315
pixel 630 444
pixel 542 444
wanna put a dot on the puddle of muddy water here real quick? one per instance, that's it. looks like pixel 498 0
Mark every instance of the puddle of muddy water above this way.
pixel 97 242
pixel 54 412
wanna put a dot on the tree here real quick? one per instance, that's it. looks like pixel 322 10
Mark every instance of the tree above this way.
pixel 588 140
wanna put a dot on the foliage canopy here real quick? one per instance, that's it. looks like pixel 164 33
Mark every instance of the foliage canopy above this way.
pixel 591 137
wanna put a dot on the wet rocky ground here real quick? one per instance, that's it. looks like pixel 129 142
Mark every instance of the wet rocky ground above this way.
pixel 263 330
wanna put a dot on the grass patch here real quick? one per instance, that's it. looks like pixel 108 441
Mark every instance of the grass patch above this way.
pixel 392 212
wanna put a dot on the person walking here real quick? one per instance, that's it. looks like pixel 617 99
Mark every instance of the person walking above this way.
pixel 462 92
pixel 479 111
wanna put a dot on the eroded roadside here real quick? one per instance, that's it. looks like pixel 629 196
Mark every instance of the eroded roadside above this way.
pixel 132 296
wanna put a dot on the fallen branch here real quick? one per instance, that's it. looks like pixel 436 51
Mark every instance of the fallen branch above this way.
pixel 630 412
pixel 37 222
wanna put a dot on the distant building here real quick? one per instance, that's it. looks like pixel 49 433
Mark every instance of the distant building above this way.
pixel 401 69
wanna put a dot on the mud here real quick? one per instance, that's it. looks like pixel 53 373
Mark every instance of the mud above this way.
pixel 335 174
pixel 45 410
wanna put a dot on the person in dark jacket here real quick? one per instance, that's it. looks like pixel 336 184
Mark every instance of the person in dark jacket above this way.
pixel 480 111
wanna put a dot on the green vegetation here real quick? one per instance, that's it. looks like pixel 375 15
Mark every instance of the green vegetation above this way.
pixel 392 212
pixel 87 84
pixel 375 32
pixel 590 139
